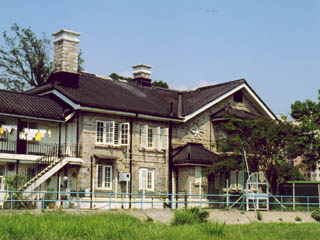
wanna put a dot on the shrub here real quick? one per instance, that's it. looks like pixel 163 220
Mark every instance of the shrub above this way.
pixel 298 219
pixel 316 215
pixel 259 215
pixel 190 216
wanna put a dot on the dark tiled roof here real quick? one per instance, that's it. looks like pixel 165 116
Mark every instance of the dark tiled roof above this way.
pixel 193 100
pixel 193 153
pixel 92 91
pixel 30 105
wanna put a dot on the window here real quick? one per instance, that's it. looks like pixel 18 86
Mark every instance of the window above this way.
pixel 236 180
pixel 104 177
pixel 153 137
pixel 238 97
pixel 111 132
pixel 146 179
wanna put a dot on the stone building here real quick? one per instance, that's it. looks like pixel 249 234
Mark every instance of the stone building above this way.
pixel 120 135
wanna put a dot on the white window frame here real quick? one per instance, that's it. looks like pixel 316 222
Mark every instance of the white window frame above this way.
pixel 118 136
pixel 2 177
pixel 103 177
pixel 144 174
pixel 158 140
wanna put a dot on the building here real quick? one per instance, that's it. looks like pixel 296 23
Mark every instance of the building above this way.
pixel 83 132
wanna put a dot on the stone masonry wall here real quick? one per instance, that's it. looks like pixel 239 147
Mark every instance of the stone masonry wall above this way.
pixel 146 158
pixel 66 56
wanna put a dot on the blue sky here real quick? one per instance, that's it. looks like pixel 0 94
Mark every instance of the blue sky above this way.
pixel 273 44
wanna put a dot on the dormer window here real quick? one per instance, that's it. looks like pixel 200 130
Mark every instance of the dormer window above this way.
pixel 238 97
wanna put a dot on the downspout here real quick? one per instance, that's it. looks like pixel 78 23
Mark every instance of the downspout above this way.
pixel 91 180
pixel 130 159
pixel 77 137
pixel 170 160
pixel 59 146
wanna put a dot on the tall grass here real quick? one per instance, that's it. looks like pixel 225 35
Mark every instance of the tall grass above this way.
pixel 120 226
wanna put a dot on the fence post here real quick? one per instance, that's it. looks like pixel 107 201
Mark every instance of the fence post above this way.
pixel 200 202
pixel 43 200
pixel 308 207
pixel 172 199
pixel 141 202
pixel 281 203
pixel 11 197
pixel 109 201
pixel 78 203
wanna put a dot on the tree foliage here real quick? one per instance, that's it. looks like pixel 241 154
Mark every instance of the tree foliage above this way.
pixel 268 144
pixel 160 84
pixel 25 59
pixel 307 117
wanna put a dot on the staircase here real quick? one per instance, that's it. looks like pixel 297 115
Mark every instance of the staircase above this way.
pixel 42 176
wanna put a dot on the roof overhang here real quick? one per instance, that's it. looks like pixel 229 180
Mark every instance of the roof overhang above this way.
pixel 244 86
pixel 260 104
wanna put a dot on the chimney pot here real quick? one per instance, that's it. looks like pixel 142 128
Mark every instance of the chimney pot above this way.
pixel 142 74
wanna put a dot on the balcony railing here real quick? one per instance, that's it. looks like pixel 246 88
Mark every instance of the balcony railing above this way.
pixel 41 149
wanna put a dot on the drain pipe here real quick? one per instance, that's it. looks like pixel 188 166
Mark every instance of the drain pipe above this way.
pixel 91 180
pixel 130 159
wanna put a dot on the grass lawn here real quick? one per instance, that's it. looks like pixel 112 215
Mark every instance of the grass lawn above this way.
pixel 121 226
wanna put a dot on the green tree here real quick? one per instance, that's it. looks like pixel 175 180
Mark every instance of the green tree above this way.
pixel 24 59
pixel 268 144
pixel 116 76
pixel 160 84
pixel 307 117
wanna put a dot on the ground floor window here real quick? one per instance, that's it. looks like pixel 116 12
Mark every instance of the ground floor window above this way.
pixel 104 177
pixel 146 179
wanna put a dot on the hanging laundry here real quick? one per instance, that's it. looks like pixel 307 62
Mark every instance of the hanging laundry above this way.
pixel 1 130
pixel 38 136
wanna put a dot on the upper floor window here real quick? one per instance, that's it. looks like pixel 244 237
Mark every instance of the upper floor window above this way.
pixel 111 132
pixel 153 137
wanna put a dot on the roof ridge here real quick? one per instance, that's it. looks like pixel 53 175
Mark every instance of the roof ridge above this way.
pixel 23 93
pixel 220 84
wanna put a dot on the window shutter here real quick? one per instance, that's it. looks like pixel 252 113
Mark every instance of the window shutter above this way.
pixel 156 137
pixel 197 175
pixel 99 176
pixel 144 136
pixel 124 133
pixel 142 178
pixel 117 130
pixel 164 138
pixel 233 180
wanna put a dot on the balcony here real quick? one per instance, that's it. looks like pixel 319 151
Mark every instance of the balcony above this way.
pixel 40 149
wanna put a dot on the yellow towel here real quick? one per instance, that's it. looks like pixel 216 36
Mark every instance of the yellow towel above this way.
pixel 38 136
pixel 1 130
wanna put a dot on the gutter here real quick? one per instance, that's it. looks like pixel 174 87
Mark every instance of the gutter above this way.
pixel 28 117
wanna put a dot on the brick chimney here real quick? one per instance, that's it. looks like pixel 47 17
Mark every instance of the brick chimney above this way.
pixel 66 51
pixel 142 74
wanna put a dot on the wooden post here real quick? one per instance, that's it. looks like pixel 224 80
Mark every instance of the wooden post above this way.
pixel 294 196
